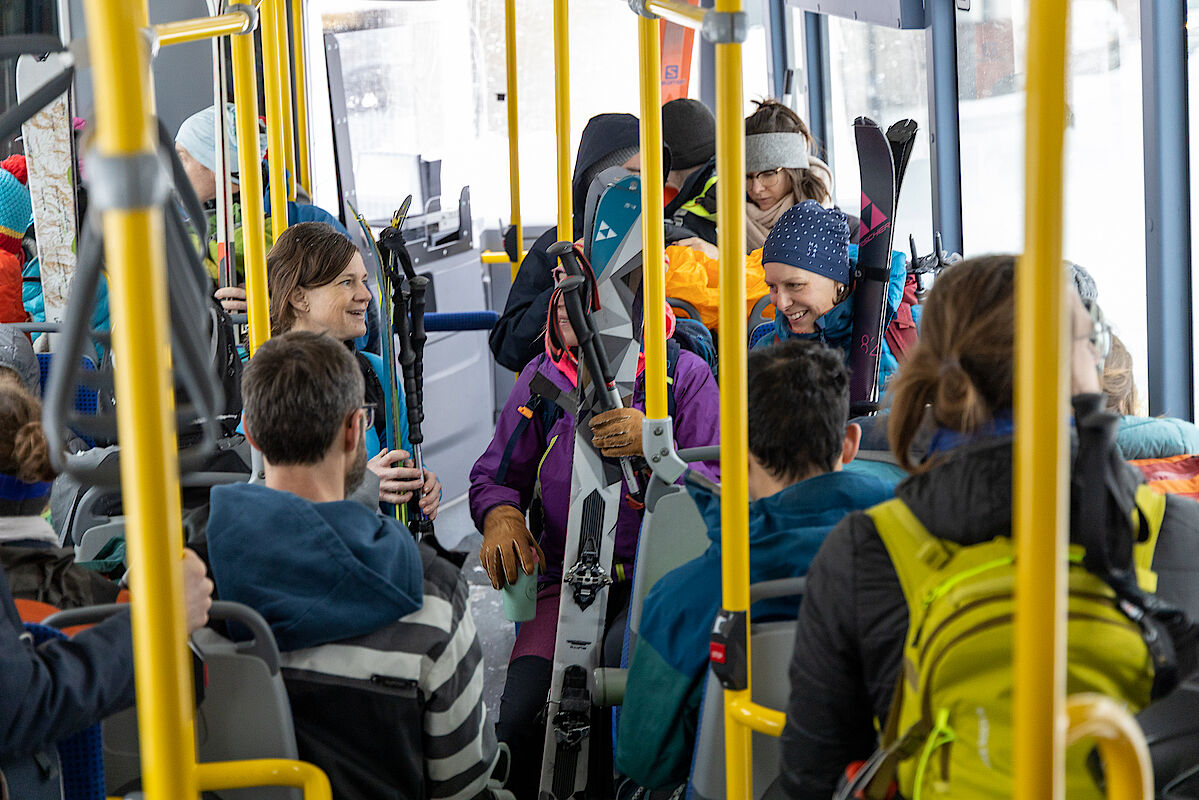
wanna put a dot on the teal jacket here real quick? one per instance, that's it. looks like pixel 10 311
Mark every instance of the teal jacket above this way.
pixel 35 303
pixel 660 715
pixel 1156 437
pixel 835 328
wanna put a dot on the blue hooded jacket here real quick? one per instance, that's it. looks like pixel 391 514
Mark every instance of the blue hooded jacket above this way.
pixel 318 572
pixel 665 685
pixel 835 328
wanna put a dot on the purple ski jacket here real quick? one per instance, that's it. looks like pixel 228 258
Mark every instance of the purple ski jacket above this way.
pixel 550 455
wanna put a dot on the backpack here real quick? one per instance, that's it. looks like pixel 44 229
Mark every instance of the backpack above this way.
pixel 948 733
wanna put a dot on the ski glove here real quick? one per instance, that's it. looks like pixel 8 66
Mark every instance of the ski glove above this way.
pixel 617 432
pixel 507 541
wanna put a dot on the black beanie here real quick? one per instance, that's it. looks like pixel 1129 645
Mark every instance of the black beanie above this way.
pixel 690 131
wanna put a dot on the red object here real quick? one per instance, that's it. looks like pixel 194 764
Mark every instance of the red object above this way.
pixel 716 653
pixel 677 45
pixel 16 165
pixel 1176 475
pixel 901 334
pixel 12 305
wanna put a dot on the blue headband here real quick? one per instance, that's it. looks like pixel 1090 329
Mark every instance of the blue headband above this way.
pixel 13 488
pixel 809 236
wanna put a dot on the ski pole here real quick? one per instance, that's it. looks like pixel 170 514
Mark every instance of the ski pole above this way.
pixel 594 357
pixel 418 286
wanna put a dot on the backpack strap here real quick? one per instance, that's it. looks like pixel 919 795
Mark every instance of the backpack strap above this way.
pixel 375 394
pixel 545 402
pixel 915 553
pixel 673 350
pixel 1149 512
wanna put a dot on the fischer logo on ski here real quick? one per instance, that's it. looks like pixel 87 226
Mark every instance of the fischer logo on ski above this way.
pixel 873 220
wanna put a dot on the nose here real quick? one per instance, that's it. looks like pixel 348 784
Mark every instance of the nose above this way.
pixel 363 293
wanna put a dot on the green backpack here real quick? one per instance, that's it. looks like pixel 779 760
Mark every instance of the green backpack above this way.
pixel 949 730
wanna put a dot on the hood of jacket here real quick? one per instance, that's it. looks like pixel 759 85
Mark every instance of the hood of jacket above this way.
pixel 318 572
pixel 603 135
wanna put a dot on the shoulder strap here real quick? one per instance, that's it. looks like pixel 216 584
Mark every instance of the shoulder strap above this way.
pixel 673 349
pixel 915 553
pixel 540 404
pixel 374 394
pixel 1150 510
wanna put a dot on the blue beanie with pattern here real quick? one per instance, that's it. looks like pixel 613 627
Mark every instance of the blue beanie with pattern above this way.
pixel 812 237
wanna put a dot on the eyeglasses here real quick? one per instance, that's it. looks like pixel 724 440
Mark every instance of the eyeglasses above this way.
pixel 1100 335
pixel 768 178
pixel 368 415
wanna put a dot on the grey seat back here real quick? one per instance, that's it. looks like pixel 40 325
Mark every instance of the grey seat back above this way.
pixel 771 644
pixel 672 534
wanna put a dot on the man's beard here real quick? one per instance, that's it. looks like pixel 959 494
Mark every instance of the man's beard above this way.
pixel 356 470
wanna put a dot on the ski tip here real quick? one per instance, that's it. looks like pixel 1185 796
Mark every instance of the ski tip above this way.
pixel 865 122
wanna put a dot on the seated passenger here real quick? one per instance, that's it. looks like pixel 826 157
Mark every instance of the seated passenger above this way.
pixel 807 267
pixel 317 282
pixel 38 569
pixel 689 130
pixel 853 622
pixel 798 443
pixel 608 140
pixel 379 652
pixel 1139 436
pixel 527 468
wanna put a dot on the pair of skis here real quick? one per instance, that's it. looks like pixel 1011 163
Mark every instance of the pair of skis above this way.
pixel 609 341
pixel 882 161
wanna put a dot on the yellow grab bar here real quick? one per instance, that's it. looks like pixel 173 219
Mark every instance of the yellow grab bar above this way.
pixel 1040 512
pixel 501 257
pixel 653 276
pixel 133 243
pixel 562 117
pixel 264 772
pixel 1126 763
pixel 273 87
pixel 250 181
pixel 678 12
pixel 301 81
pixel 758 717
pixel 513 127
pixel 286 120
pixel 193 30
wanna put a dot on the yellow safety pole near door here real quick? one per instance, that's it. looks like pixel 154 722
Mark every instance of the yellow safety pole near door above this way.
pixel 513 132
pixel 245 87
pixel 282 42
pixel 653 280
pixel 562 117
pixel 273 88
pixel 303 168
pixel 133 237
pixel 193 30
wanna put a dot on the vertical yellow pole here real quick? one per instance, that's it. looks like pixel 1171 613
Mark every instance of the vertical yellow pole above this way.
pixel 297 27
pixel 272 91
pixel 653 276
pixel 285 112
pixel 734 432
pixel 513 130
pixel 1041 512
pixel 133 238
pixel 250 181
pixel 562 117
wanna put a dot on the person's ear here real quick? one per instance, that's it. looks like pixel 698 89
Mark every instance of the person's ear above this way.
pixel 299 300
pixel 851 442
pixel 245 431
pixel 353 430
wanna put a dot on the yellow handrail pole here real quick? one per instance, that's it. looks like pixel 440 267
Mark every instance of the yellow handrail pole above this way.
pixel 286 120
pixel 759 718
pixel 678 12
pixel 245 87
pixel 194 30
pixel 653 281
pixel 513 130
pixel 562 117
pixel 272 92
pixel 133 237
pixel 264 772
pixel 734 431
pixel 303 167
pixel 1125 754
pixel 1040 482
pixel 501 257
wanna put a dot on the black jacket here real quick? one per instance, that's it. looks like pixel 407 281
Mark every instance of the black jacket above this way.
pixel 516 338
pixel 854 618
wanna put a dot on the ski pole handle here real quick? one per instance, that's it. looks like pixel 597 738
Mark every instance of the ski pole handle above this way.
pixel 419 286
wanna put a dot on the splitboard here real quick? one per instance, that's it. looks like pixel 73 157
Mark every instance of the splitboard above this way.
pixel 596 492
pixel 50 159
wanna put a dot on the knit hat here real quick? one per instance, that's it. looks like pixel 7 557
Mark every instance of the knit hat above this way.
pixel 16 353
pixel 765 151
pixel 613 159
pixel 690 131
pixel 16 210
pixel 1084 284
pixel 812 237
pixel 197 135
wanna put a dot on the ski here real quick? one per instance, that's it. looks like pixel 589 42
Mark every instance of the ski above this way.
pixel 610 334
pixel 902 138
pixel 876 162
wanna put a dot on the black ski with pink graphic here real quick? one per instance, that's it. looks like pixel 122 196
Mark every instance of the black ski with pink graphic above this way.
pixel 882 160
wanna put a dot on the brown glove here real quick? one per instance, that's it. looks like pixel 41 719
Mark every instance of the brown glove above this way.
pixel 506 540
pixel 617 432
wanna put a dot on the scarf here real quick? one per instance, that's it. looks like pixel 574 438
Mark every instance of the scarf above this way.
pixel 27 529
pixel 758 222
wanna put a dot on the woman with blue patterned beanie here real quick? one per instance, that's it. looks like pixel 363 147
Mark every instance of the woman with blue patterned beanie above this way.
pixel 809 266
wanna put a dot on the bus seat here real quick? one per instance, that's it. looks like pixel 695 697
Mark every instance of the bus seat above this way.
pixel 682 305
pixel 96 538
pixel 771 644
pixel 244 714
pixel 86 398
pixel 757 314
pixel 80 755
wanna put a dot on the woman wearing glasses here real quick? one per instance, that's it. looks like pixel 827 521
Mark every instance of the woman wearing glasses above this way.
pixel 780 172
pixel 317 282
